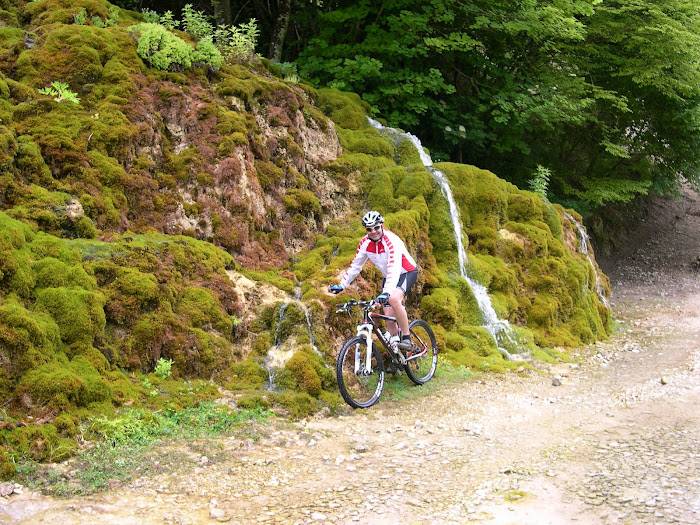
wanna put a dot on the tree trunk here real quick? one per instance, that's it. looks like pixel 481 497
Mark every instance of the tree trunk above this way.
pixel 222 12
pixel 279 30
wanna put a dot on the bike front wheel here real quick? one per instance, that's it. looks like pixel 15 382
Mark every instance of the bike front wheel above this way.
pixel 359 386
pixel 422 361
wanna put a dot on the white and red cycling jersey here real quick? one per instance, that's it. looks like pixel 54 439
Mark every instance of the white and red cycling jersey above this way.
pixel 388 254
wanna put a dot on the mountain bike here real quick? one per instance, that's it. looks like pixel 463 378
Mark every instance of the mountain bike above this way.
pixel 360 367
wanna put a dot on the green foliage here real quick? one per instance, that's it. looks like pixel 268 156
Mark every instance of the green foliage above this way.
pixel 238 42
pixel 60 92
pixel 207 53
pixel 163 368
pixel 162 49
pixel 613 87
pixel 195 23
pixel 166 19
pixel 81 17
pixel 540 180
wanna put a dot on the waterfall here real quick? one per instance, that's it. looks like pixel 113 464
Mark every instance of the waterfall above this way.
pixel 583 249
pixel 499 329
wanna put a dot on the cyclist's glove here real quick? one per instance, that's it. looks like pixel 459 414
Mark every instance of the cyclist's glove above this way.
pixel 335 288
pixel 383 298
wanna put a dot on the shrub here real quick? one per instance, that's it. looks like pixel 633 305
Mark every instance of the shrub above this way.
pixel 237 43
pixel 163 368
pixel 196 23
pixel 162 49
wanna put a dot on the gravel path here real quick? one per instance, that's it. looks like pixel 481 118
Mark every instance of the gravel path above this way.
pixel 616 441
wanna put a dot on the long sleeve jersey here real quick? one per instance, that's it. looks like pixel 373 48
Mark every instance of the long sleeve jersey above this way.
pixel 388 254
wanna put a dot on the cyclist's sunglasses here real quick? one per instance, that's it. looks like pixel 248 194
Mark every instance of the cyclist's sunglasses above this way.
pixel 373 228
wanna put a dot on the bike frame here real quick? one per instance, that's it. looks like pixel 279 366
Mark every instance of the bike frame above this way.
pixel 369 326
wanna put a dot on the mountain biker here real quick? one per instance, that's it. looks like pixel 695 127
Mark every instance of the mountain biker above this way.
pixel 388 253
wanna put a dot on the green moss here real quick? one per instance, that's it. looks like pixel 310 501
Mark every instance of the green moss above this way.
pixel 347 110
pixel 351 162
pixel 8 147
pixel 203 310
pixel 299 405
pixel 27 339
pixel 408 154
pixel 302 201
pixel 246 375
pixel 253 402
pixel 309 372
pixel 441 307
pixel 85 229
pixel 7 465
pixel 54 273
pixel 79 313
pixel 416 183
pixel 15 264
pixel 366 140
pixel 311 263
pixel 269 175
pixel 39 443
pixel 30 164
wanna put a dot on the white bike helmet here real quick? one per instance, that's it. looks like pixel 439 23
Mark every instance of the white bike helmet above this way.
pixel 371 218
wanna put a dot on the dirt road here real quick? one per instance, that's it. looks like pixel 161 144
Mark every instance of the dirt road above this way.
pixel 617 441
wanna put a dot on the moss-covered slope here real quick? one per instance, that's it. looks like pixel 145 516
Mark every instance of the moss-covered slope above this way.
pixel 197 216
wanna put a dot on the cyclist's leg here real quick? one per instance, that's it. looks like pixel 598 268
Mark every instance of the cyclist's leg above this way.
pixel 406 281
pixel 398 309
pixel 391 325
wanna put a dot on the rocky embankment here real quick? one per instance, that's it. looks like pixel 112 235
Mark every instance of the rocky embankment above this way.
pixel 613 437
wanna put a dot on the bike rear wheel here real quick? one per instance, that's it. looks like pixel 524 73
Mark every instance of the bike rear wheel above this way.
pixel 359 387
pixel 422 368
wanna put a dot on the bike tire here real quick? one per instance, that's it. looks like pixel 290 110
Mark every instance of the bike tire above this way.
pixel 359 391
pixel 422 369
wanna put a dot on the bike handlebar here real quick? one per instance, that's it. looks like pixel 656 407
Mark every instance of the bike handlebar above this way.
pixel 345 307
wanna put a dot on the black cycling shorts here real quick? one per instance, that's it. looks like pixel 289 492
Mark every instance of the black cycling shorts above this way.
pixel 406 281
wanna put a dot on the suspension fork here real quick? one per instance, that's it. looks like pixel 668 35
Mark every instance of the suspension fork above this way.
pixel 364 330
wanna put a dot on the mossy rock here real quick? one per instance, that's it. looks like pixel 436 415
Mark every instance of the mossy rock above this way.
pixel 54 273
pixel 366 140
pixel 79 313
pixel 299 405
pixel 309 372
pixel 441 307
pixel 246 375
pixel 27 339
pixel 346 109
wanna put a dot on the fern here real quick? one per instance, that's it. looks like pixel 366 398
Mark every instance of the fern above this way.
pixel 60 93
pixel 80 18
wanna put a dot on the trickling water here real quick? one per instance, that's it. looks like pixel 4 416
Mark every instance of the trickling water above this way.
pixel 499 329
pixel 280 353
pixel 278 331
pixel 583 249
pixel 276 355
pixel 311 335
pixel 335 252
